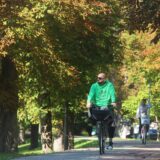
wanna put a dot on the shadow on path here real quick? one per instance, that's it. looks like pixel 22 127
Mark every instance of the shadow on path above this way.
pixel 123 150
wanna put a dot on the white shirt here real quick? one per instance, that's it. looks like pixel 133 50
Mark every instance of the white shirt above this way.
pixel 143 109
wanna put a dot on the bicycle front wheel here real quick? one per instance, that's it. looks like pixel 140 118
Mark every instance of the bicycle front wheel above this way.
pixel 101 140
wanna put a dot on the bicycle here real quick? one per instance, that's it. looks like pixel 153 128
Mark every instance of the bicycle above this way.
pixel 101 116
pixel 145 121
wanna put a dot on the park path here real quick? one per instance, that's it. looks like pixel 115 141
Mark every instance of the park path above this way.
pixel 123 150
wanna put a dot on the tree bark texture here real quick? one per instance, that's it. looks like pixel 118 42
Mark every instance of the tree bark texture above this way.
pixel 46 133
pixel 68 127
pixel 71 131
pixel 8 106
pixel 21 134
pixel 65 127
pixel 34 136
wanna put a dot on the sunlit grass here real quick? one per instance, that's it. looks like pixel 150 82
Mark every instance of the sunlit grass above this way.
pixel 85 143
pixel 24 150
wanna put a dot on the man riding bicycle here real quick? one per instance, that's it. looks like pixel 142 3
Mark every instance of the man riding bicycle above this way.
pixel 143 109
pixel 101 95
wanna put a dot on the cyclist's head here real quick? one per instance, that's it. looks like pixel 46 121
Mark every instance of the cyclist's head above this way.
pixel 144 101
pixel 101 78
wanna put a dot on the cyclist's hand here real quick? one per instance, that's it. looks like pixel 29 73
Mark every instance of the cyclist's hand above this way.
pixel 114 104
pixel 89 113
pixel 88 105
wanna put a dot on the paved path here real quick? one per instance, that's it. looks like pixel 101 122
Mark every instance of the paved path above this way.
pixel 123 150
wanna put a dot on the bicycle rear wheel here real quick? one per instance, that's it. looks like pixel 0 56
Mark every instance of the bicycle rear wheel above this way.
pixel 144 134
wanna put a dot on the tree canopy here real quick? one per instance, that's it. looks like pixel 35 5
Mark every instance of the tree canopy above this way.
pixel 140 71
pixel 142 15
pixel 58 47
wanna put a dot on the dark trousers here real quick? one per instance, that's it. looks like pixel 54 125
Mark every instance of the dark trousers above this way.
pixel 110 123
pixel 140 126
pixel 111 128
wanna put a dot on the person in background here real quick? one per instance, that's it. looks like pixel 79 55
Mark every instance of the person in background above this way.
pixel 143 108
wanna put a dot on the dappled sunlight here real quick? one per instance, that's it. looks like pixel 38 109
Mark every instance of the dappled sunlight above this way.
pixel 85 143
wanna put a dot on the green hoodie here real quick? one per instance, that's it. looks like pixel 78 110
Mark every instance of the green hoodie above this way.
pixel 102 95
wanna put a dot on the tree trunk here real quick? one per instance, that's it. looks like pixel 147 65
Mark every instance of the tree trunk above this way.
pixel 58 143
pixel 8 106
pixel 65 126
pixel 71 131
pixel 68 128
pixel 8 131
pixel 21 134
pixel 34 136
pixel 46 133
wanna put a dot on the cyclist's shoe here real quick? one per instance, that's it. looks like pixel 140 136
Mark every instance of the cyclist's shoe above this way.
pixel 110 146
pixel 113 124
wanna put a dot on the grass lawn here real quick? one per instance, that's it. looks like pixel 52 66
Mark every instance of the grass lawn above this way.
pixel 80 142
pixel 85 142
pixel 23 151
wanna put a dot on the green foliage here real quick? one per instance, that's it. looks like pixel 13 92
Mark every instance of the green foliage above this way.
pixel 141 71
pixel 142 16
pixel 84 143
pixel 58 46
pixel 130 105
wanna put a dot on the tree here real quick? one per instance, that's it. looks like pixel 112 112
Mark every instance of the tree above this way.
pixel 71 32
pixel 59 46
pixel 142 15
pixel 8 106
pixel 8 79
pixel 141 66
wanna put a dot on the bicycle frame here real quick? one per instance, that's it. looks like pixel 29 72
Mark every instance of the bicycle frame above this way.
pixel 101 135
pixel 101 116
